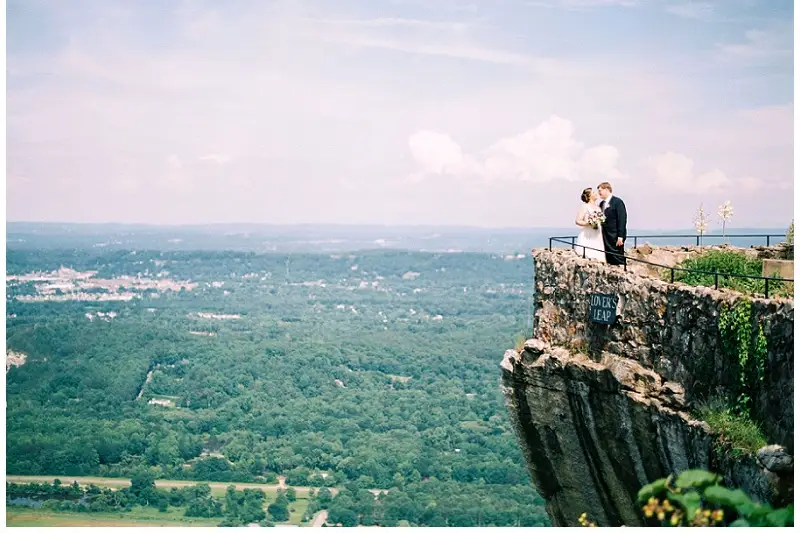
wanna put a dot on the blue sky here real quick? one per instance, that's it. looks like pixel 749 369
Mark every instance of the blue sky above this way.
pixel 478 112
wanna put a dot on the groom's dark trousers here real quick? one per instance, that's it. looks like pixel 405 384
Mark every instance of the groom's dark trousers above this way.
pixel 615 226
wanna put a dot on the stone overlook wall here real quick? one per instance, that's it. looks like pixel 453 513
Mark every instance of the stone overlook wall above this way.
pixel 602 410
pixel 670 328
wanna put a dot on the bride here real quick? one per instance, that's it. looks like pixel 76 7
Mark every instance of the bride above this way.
pixel 589 236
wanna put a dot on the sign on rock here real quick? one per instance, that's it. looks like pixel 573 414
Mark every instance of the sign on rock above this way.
pixel 603 308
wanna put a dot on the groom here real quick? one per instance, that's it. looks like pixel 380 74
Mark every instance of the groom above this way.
pixel 615 228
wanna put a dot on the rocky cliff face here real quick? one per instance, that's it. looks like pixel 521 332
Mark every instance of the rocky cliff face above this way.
pixel 670 328
pixel 602 410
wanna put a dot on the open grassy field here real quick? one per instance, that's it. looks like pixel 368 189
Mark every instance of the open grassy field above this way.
pixel 217 488
pixel 26 517
pixel 296 510
pixel 139 517
pixel 22 517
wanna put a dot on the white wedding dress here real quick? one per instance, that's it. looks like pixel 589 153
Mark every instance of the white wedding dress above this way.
pixel 589 236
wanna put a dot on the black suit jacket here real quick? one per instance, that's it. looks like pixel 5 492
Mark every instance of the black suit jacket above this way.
pixel 616 224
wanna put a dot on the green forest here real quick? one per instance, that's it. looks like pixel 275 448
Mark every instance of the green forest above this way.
pixel 364 370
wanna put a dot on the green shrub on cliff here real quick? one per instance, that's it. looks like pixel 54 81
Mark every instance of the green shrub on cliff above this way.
pixel 728 262
pixel 735 431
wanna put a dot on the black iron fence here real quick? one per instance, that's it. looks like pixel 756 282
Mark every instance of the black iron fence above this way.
pixel 570 241
pixel 697 238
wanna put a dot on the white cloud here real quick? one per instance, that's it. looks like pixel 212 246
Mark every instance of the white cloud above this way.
pixel 174 162
pixel 125 184
pixel 545 153
pixel 760 45
pixel 445 39
pixel 197 23
pixel 582 4
pixel 216 158
pixel 436 152
pixel 389 22
pixel 459 51
pixel 14 182
pixel 691 10
pixel 675 172
pixel 749 183
pixel 347 184
pixel 175 176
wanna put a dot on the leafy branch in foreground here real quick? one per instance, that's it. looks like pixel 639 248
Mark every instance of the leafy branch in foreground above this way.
pixel 697 498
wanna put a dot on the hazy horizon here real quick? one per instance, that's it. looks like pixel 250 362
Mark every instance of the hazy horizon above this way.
pixel 712 229
pixel 394 112
pixel 328 238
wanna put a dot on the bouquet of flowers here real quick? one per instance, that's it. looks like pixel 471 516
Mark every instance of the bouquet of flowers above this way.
pixel 596 218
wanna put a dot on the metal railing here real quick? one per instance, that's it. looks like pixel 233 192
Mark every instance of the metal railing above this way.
pixel 672 269
pixel 698 239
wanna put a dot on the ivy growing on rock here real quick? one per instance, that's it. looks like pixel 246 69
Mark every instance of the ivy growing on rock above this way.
pixel 747 345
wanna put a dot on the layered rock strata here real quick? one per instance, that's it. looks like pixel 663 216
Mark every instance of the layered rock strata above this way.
pixel 594 432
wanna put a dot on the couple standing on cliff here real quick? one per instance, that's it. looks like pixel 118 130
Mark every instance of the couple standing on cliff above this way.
pixel 603 227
